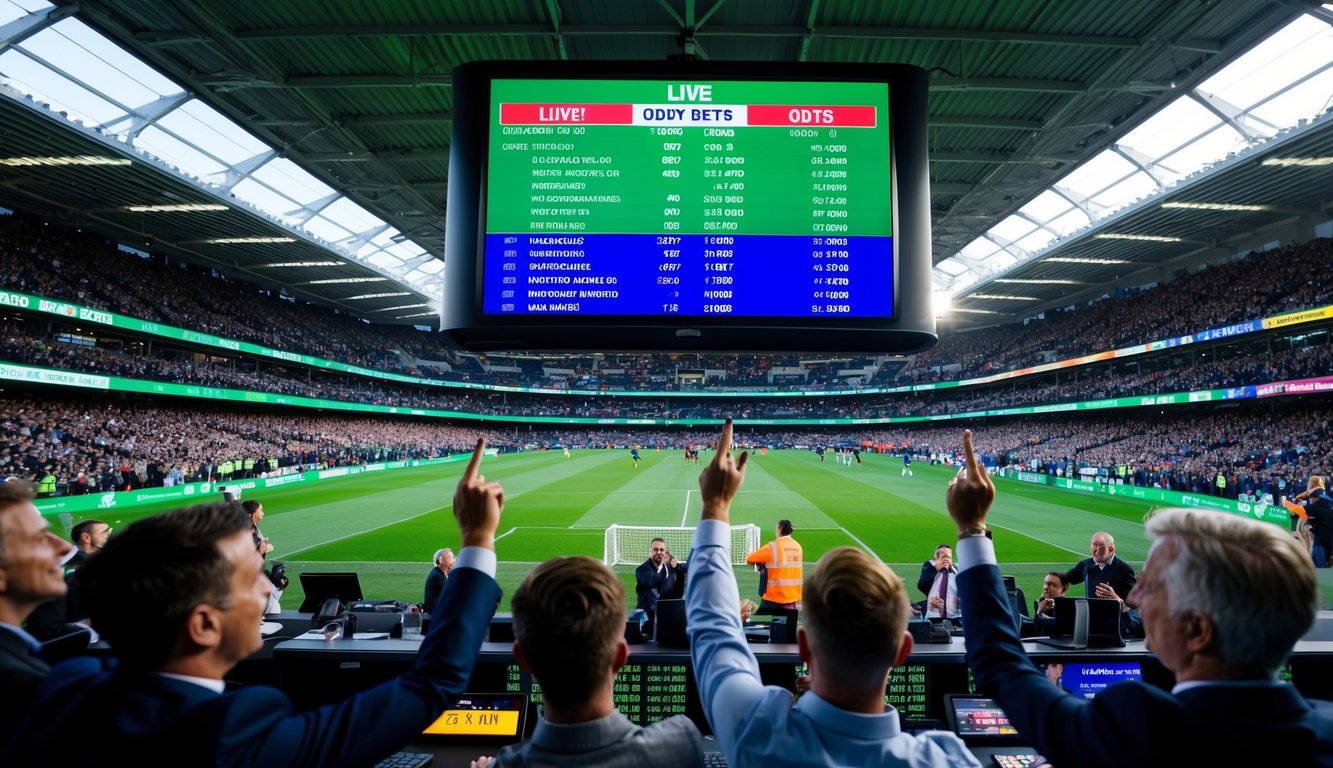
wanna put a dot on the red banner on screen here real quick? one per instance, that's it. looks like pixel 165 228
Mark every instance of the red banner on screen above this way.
pixel 566 114
pixel 833 117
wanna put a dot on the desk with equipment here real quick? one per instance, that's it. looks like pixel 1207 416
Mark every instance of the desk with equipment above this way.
pixel 657 682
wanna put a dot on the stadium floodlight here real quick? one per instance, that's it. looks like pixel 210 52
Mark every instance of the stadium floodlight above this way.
pixel 1002 297
pixel 284 264
pixel 629 544
pixel 243 240
pixel 976 311
pixel 67 160
pixel 1142 238
pixel 419 314
pixel 1236 207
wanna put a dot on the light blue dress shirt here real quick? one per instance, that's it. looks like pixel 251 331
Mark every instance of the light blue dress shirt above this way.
pixel 757 725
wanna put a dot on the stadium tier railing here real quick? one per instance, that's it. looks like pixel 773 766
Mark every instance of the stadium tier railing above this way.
pixel 66 310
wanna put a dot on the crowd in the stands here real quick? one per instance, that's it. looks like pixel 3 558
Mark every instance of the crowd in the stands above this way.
pixel 101 444
pixel 83 269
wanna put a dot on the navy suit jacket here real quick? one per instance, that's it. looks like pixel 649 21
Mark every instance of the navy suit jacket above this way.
pixel 1118 573
pixel 131 717
pixel 20 674
pixel 648 583
pixel 1131 723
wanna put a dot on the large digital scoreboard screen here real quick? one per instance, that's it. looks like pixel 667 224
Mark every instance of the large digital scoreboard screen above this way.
pixel 733 198
pixel 688 206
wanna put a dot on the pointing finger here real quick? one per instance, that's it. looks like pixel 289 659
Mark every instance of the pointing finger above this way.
pixel 472 466
pixel 724 445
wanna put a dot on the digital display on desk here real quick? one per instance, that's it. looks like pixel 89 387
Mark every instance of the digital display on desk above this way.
pixel 674 198
pixel 1088 680
pixel 482 715
pixel 908 691
pixel 644 693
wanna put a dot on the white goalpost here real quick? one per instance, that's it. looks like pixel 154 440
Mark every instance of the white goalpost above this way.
pixel 629 544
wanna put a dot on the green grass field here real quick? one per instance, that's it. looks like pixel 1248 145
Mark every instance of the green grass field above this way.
pixel 387 525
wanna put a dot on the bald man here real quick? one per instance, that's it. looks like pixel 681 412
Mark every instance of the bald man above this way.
pixel 1103 574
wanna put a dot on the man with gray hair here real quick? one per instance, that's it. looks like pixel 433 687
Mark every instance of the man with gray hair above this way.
pixel 1224 599
pixel 444 562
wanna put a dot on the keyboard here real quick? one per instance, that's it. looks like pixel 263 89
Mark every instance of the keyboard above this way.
pixel 1014 761
pixel 406 760
pixel 715 760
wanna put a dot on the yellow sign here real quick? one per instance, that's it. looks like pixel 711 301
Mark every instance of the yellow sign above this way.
pixel 475 722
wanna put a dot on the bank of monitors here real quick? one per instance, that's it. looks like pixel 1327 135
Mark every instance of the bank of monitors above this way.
pixel 688 206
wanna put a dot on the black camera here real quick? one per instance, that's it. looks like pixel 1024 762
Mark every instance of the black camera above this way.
pixel 278 575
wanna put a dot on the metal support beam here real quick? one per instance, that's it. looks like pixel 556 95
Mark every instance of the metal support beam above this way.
pixel 24 27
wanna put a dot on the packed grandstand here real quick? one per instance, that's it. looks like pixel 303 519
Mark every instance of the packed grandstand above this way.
pixel 1156 348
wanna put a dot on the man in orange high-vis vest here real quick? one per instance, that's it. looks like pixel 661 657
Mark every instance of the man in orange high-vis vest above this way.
pixel 781 558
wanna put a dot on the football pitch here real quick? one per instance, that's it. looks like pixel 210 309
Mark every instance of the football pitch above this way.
pixel 385 526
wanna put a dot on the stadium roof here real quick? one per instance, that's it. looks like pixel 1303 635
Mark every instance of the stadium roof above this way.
pixel 1061 135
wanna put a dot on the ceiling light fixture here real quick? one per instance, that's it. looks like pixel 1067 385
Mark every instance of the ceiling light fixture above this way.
pixel 1141 238
pixel 340 280
pixel 178 208
pixel 1299 162
pixel 379 295
pixel 1036 281
pixel 1218 206
pixel 243 240
pixel 1079 260
pixel 71 160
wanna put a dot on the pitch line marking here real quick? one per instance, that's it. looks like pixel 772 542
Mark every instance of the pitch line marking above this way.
pixel 849 535
pixel 684 513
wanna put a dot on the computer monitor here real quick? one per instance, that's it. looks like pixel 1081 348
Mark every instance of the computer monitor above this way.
pixel 978 720
pixel 669 626
pixel 319 587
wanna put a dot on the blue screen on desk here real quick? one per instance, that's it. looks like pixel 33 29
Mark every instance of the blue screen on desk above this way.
pixel 1088 680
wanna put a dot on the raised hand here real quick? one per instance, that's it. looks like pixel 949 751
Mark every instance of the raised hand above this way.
pixel 971 491
pixel 477 504
pixel 722 478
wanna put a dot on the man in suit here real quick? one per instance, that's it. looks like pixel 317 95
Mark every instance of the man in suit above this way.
pixel 569 625
pixel 180 597
pixel 1224 599
pixel 30 574
pixel 938 582
pixel 660 577
pixel 61 616
pixel 1103 571
pixel 444 562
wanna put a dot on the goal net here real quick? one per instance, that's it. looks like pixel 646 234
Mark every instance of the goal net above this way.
pixel 629 544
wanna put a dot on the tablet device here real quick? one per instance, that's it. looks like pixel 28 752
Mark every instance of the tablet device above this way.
pixel 978 720
pixel 481 718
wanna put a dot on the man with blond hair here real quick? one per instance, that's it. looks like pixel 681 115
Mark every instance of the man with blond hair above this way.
pixel 569 629
pixel 855 630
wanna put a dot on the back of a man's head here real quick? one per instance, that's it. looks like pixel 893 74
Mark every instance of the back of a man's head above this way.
pixel 569 615
pixel 855 611
pixel 1254 580
pixel 148 578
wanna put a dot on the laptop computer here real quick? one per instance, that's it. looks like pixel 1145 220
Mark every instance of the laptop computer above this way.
pixel 1085 622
